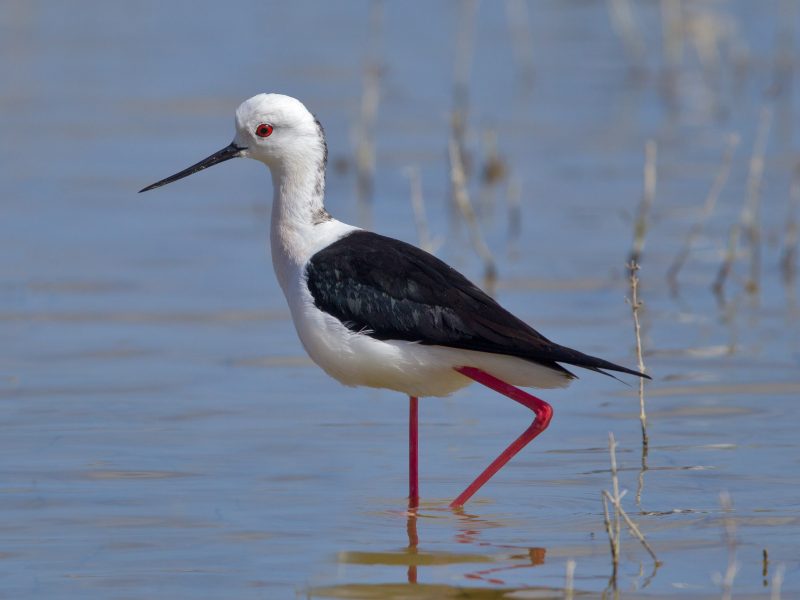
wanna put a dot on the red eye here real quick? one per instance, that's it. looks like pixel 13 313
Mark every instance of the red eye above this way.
pixel 264 130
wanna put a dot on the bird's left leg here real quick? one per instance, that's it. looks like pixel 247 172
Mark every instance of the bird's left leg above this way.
pixel 413 452
pixel 542 410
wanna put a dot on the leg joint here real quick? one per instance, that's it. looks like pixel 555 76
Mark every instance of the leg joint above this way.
pixel 544 414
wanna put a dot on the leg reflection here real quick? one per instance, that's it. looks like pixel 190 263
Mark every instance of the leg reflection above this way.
pixel 469 532
pixel 413 542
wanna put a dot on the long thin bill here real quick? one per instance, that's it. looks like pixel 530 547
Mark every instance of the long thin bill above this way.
pixel 227 153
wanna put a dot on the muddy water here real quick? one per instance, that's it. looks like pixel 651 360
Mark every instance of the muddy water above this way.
pixel 163 434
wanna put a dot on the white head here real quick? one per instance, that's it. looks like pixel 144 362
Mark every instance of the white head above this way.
pixel 275 129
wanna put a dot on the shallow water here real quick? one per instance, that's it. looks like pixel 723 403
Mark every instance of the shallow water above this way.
pixel 163 433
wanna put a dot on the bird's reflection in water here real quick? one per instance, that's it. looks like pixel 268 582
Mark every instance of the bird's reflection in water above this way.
pixel 420 563
pixel 469 530
pixel 469 534
pixel 533 558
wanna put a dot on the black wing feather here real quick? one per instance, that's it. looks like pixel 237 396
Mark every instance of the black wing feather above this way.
pixel 392 290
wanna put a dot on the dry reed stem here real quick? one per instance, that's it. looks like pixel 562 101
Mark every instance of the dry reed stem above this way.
pixel 612 450
pixel 612 541
pixel 648 197
pixel 493 172
pixel 365 129
pixel 465 40
pixel 522 39
pixel 710 30
pixel 625 26
pixel 461 197
pixel 748 223
pixel 672 44
pixel 632 527
pixel 782 88
pixel 569 579
pixel 514 209
pixel 672 31
pixel 777 582
pixel 640 478
pixel 727 263
pixel 729 532
pixel 790 239
pixel 708 209
pixel 751 215
pixel 636 304
pixel 426 242
pixel 613 527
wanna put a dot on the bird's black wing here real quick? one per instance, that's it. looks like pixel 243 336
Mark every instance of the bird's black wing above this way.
pixel 392 290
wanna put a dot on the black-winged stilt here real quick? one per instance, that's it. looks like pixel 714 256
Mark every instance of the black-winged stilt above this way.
pixel 375 311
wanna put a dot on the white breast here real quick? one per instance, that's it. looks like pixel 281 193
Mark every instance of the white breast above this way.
pixel 356 359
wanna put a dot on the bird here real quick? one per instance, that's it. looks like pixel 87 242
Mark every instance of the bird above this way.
pixel 378 312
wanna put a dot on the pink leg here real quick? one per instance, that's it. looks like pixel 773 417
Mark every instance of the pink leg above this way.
pixel 542 410
pixel 413 452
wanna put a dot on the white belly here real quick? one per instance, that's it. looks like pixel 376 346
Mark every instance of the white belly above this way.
pixel 356 359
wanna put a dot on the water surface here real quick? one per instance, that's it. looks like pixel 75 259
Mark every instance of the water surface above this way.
pixel 163 433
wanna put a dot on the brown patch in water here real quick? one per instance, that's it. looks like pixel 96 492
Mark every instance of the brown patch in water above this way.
pixel 136 474
pixel 717 389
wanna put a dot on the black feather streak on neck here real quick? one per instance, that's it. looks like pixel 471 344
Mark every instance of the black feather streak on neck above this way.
pixel 321 215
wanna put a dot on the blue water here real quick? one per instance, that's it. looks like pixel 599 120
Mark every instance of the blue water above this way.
pixel 163 433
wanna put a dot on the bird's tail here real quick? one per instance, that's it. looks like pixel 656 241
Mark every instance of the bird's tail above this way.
pixel 593 363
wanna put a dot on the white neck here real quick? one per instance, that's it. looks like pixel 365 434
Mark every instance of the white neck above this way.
pixel 297 208
pixel 299 192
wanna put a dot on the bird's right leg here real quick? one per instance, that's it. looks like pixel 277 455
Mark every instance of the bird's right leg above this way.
pixel 542 410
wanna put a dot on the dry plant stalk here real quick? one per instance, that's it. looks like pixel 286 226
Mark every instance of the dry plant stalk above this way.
pixel 632 527
pixel 493 172
pixel 612 540
pixel 613 543
pixel 672 32
pixel 569 579
pixel 648 196
pixel 625 26
pixel 461 197
pixel 672 43
pixel 365 145
pixel 727 263
pixel 636 304
pixel 613 527
pixel 612 450
pixel 789 252
pixel 365 129
pixel 465 41
pixel 751 215
pixel 749 222
pixel 708 209
pixel 418 206
pixel 777 582
pixel 782 86
pixel 729 532
pixel 709 32
pixel 514 208
pixel 522 39
pixel 640 478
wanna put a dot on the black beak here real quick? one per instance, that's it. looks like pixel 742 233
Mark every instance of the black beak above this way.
pixel 227 153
